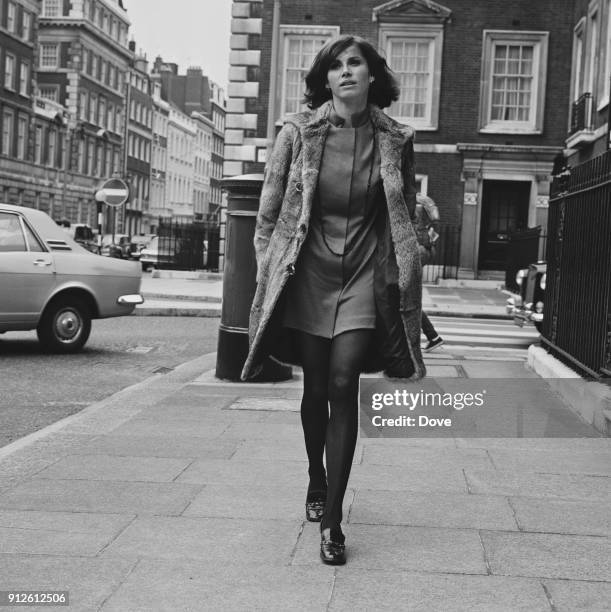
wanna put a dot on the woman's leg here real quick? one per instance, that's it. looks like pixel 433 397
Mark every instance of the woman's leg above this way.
pixel 348 351
pixel 315 352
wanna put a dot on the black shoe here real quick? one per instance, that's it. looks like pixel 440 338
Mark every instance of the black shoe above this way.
pixel 315 505
pixel 332 548
pixel 433 344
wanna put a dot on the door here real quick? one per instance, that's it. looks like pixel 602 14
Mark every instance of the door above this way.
pixel 504 210
pixel 26 274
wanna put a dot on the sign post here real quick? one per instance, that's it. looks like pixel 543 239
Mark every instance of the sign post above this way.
pixel 113 192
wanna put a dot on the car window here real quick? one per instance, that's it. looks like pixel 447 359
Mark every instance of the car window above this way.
pixel 83 233
pixel 33 242
pixel 11 235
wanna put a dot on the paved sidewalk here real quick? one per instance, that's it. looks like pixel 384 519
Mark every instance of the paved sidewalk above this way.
pixel 186 493
pixel 202 297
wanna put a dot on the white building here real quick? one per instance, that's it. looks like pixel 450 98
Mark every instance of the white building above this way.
pixel 159 204
pixel 202 165
pixel 182 132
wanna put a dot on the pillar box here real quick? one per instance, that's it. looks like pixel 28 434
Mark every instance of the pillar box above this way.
pixel 239 281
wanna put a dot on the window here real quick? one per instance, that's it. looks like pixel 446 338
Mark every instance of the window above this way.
pixel 606 75
pixel 577 85
pixel 513 81
pixel 83 106
pixel 22 130
pixel 591 72
pixel 51 8
pixel 52 150
pixel 414 54
pixel 93 108
pixel 24 78
pixel 9 71
pixel 299 45
pixel 38 145
pixel 11 234
pixel 11 21
pixel 7 133
pixel 49 55
pixel 94 66
pixel 26 26
pixel 49 92
pixel 102 113
pixel 110 118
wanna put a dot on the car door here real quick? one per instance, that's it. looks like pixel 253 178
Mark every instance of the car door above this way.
pixel 27 273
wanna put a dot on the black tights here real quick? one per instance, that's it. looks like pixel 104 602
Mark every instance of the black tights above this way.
pixel 331 377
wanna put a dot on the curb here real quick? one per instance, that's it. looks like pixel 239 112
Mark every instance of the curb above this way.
pixel 590 400
pixel 176 311
pixel 182 297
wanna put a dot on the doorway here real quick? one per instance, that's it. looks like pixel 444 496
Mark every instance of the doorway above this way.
pixel 504 210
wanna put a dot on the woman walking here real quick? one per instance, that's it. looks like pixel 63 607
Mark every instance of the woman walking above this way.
pixel 338 269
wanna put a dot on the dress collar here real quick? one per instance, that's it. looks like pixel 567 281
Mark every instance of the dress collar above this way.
pixel 358 119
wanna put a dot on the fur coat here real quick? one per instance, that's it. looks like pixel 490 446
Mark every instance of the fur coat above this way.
pixel 289 188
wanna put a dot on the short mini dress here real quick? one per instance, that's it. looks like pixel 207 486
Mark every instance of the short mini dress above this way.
pixel 331 291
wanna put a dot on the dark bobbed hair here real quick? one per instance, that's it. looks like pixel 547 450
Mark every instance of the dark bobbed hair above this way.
pixel 382 92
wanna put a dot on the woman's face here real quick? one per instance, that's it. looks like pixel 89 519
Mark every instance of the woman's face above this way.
pixel 348 76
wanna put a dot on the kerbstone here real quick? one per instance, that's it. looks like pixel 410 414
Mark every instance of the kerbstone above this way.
pixel 451 510
pixel 107 467
pixel 227 541
pixel 563 516
pixel 390 548
pixel 58 533
pixel 548 555
pixel 376 590
pixel 100 496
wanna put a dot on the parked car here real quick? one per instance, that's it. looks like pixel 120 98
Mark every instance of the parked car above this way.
pixel 84 235
pixel 119 248
pixel 177 252
pixel 139 242
pixel 53 285
pixel 527 307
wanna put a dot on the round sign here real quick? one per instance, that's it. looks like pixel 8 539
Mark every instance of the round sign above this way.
pixel 113 192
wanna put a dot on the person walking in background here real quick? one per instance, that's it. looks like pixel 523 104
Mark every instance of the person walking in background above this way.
pixel 339 280
pixel 427 220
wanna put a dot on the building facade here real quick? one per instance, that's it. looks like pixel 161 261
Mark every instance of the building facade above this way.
pixel 138 148
pixel 479 83
pixel 182 131
pixel 202 165
pixel 158 204
pixel 218 105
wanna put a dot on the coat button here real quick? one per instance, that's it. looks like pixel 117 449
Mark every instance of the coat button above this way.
pixel 290 269
pixel 298 186
pixel 303 228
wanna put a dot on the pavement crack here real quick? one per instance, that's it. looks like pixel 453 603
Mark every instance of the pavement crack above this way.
pixel 294 550
pixel 485 555
pixel 121 531
pixel 515 514
pixel 550 599
pixel 131 570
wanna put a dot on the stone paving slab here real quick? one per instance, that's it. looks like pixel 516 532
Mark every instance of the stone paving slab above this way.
pixel 162 446
pixel 280 450
pixel 100 496
pixel 447 510
pixel 58 533
pixel 560 516
pixel 576 596
pixel 393 549
pixel 548 555
pixel 436 477
pixel 226 541
pixel 107 467
pixel 89 581
pixel 417 459
pixel 218 501
pixel 193 586
pixel 563 445
pixel 563 486
pixel 171 428
pixel 265 404
pixel 576 462
pixel 411 592
pixel 281 473
pixel 201 414
pixel 264 432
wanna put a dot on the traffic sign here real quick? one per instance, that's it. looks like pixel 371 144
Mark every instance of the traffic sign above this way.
pixel 113 192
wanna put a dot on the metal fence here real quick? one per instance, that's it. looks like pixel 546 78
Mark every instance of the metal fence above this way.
pixel 447 253
pixel 577 324
pixel 188 246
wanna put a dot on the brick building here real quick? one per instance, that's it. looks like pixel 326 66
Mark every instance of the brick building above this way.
pixel 588 127
pixel 480 82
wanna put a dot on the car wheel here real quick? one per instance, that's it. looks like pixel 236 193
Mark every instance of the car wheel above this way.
pixel 64 326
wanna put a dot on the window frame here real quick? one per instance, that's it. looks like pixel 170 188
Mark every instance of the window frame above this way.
pixel 7 143
pixel 24 81
pixel 432 33
pixel 606 73
pixel 52 8
pixel 43 60
pixel 22 137
pixel 9 75
pixel 286 32
pixel 11 17
pixel 539 41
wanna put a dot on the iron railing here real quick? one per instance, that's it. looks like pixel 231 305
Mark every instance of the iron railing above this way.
pixel 576 322
pixel 188 246
pixel 581 113
pixel 447 253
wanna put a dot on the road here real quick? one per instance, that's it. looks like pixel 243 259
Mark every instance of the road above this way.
pixel 39 389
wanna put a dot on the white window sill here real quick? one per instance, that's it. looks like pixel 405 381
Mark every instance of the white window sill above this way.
pixel 510 130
